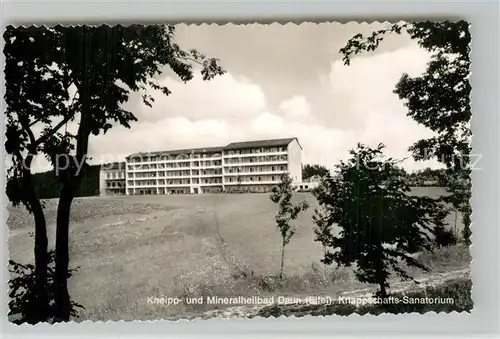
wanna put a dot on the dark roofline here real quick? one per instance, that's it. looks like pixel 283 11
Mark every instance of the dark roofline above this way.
pixel 177 152
pixel 262 143
pixel 114 165
pixel 232 145
pixel 297 139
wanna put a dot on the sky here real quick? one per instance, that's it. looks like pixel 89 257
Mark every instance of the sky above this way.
pixel 281 81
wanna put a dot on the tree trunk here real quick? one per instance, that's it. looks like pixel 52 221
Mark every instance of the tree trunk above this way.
pixel 455 225
pixel 41 261
pixel 40 251
pixel 71 182
pixel 383 291
pixel 282 259
pixel 41 244
pixel 62 300
pixel 381 277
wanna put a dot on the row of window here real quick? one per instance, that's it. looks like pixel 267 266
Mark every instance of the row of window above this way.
pixel 115 185
pixel 256 159
pixel 177 165
pixel 230 170
pixel 227 170
pixel 195 164
pixel 115 175
pixel 252 179
pixel 166 157
pixel 175 174
pixel 175 182
pixel 255 150
pixel 202 181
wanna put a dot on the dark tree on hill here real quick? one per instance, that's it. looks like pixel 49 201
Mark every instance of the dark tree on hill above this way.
pixel 309 171
pixel 380 225
pixel 439 99
pixel 437 177
pixel 288 211
pixel 55 75
pixel 47 185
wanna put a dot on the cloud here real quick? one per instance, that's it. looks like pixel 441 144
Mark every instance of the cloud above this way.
pixel 346 105
pixel 224 96
pixel 169 133
pixel 296 108
pixel 365 90
pixel 267 124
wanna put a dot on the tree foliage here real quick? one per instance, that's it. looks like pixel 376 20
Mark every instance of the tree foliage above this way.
pixel 439 99
pixel 23 307
pixel 380 224
pixel 56 75
pixel 47 185
pixel 444 236
pixel 309 171
pixel 288 211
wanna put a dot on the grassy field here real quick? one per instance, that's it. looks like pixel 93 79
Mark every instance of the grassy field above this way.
pixel 132 248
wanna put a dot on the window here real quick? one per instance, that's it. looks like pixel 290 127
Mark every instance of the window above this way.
pixel 306 187
pixel 272 168
pixel 259 178
pixel 272 178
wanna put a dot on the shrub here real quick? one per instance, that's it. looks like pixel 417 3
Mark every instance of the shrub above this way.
pixel 22 306
pixel 443 236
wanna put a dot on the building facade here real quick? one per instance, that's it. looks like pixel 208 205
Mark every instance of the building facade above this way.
pixel 252 166
pixel 307 184
pixel 112 179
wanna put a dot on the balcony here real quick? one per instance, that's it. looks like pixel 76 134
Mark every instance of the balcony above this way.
pixel 241 174
pixel 268 182
pixel 210 184
pixel 246 155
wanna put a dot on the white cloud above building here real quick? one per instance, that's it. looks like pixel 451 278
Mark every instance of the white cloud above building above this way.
pixel 309 93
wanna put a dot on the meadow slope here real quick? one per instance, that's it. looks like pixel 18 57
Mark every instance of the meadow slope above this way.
pixel 131 248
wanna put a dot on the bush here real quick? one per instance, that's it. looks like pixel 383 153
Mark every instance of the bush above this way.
pixel 444 237
pixel 23 307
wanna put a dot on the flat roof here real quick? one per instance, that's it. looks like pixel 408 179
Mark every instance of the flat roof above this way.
pixel 216 149
pixel 178 151
pixel 113 166
pixel 260 143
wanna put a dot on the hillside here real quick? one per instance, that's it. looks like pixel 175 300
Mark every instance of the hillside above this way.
pixel 131 248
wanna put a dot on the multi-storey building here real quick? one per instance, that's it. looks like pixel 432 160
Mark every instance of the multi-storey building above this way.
pixel 252 166
pixel 112 179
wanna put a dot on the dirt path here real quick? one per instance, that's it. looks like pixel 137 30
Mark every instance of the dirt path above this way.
pixel 396 287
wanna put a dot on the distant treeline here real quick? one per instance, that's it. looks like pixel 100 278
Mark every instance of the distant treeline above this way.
pixel 424 177
pixel 48 186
